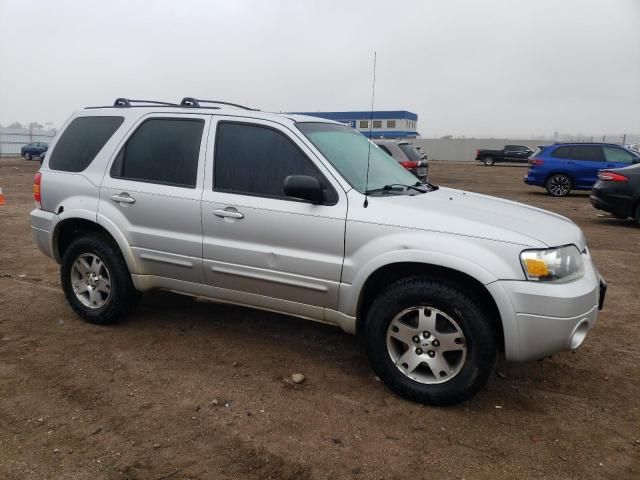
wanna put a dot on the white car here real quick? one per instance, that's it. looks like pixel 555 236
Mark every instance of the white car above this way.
pixel 306 217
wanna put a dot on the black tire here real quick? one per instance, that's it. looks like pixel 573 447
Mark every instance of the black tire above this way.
pixel 27 156
pixel 637 215
pixel 558 185
pixel 123 297
pixel 489 161
pixel 481 339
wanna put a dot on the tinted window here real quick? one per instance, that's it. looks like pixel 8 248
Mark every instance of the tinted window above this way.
pixel 255 160
pixel 588 153
pixel 377 124
pixel 385 150
pixel 162 150
pixel 562 152
pixel 410 151
pixel 618 155
pixel 81 142
pixel 364 124
pixel 391 124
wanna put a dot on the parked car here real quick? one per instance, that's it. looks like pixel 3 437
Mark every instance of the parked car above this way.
pixel 34 149
pixel 510 153
pixel 408 155
pixel 563 167
pixel 436 281
pixel 617 191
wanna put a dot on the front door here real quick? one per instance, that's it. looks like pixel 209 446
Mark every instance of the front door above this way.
pixel 152 191
pixel 261 247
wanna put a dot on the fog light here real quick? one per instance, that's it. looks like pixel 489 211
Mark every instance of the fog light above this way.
pixel 579 334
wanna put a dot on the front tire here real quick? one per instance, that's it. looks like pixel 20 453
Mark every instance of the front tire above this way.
pixel 489 161
pixel 558 185
pixel 637 215
pixel 430 341
pixel 96 281
pixel 27 156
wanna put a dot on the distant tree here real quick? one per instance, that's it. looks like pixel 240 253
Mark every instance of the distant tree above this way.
pixel 15 125
pixel 35 126
pixel 446 137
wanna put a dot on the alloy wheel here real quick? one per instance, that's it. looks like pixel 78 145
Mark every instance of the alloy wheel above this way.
pixel 426 345
pixel 90 280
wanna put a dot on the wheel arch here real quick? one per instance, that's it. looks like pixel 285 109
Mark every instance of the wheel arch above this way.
pixel 74 226
pixel 392 272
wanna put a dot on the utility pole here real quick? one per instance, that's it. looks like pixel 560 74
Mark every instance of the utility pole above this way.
pixel 624 139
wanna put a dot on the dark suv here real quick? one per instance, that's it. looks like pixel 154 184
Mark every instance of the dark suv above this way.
pixel 408 155
pixel 563 167
pixel 34 149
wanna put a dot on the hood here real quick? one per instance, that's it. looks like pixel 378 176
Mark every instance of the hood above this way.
pixel 458 212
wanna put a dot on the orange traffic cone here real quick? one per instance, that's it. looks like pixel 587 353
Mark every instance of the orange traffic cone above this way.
pixel 2 202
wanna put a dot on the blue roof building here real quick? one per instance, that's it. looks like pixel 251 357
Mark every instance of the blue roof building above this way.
pixel 379 124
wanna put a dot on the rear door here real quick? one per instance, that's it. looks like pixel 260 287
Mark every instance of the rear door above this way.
pixel 152 193
pixel 585 162
pixel 263 248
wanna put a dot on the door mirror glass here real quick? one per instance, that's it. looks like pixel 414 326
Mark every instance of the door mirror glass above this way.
pixel 303 187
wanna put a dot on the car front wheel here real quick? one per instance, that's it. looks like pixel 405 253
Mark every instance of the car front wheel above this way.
pixel 27 156
pixel 430 342
pixel 558 185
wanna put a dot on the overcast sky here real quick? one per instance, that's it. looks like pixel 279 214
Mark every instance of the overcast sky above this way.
pixel 466 67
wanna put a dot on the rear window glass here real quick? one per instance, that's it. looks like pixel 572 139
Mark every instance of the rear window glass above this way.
pixel 162 150
pixel 561 152
pixel 410 151
pixel 81 142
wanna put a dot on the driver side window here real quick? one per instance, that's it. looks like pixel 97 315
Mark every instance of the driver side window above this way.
pixel 255 160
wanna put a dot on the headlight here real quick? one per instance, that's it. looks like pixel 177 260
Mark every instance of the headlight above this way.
pixel 560 264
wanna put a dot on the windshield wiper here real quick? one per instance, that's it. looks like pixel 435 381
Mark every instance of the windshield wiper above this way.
pixel 392 186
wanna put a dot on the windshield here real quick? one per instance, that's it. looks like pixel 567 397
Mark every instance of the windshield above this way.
pixel 410 151
pixel 347 150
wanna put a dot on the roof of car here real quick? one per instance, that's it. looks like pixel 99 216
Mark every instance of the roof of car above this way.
pixel 123 106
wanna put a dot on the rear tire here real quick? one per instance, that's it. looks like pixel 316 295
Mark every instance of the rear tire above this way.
pixel 558 185
pixel 489 161
pixel 457 320
pixel 96 281
pixel 27 156
pixel 637 215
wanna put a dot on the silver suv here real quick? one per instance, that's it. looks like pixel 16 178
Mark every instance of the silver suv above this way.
pixel 306 217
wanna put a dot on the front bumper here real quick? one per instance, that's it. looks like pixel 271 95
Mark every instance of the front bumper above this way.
pixel 540 319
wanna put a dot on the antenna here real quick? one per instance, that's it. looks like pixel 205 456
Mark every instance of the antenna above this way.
pixel 373 97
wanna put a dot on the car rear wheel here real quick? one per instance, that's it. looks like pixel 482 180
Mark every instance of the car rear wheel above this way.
pixel 96 281
pixel 430 341
pixel 558 185
pixel 637 215
pixel 489 161
pixel 27 156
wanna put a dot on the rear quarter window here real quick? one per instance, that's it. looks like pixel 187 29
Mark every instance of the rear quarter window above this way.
pixel 81 141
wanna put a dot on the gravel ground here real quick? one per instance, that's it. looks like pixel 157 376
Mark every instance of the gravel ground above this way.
pixel 190 390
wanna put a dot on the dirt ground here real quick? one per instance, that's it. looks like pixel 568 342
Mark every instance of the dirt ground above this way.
pixel 189 390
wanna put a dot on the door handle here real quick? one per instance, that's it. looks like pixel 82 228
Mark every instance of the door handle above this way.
pixel 228 214
pixel 123 198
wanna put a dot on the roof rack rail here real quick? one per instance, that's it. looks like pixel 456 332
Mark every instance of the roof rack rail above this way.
pixel 195 103
pixel 126 102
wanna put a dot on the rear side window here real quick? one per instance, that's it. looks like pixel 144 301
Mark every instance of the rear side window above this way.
pixel 162 150
pixel 81 142
pixel 588 153
pixel 255 160
pixel 562 152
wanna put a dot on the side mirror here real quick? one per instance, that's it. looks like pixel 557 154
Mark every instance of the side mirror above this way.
pixel 303 187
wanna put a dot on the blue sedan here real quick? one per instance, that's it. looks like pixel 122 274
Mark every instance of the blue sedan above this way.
pixel 34 149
